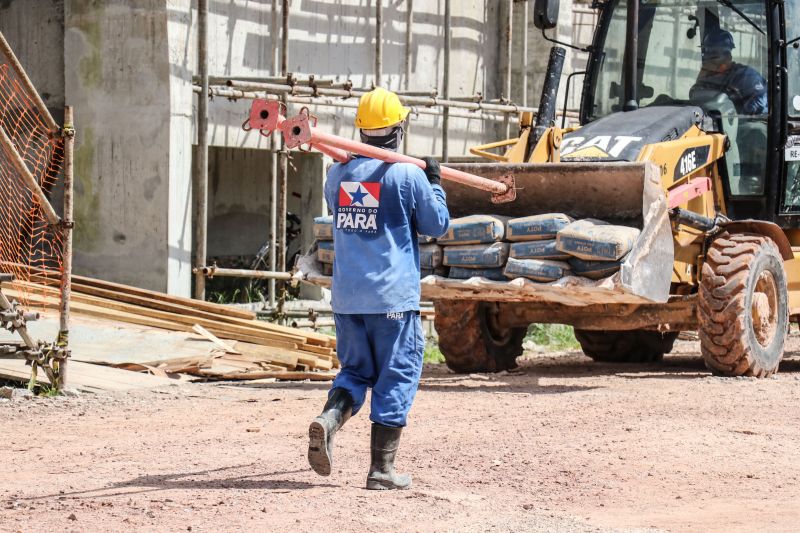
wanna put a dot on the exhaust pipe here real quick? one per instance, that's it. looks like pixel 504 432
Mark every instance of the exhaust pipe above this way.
pixel 547 103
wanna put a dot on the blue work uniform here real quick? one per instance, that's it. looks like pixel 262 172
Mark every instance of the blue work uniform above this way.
pixel 378 209
pixel 746 88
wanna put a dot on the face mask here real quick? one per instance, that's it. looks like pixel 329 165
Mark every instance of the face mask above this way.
pixel 390 141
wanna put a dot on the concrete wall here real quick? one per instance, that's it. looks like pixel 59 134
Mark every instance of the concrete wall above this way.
pixel 35 31
pixel 127 69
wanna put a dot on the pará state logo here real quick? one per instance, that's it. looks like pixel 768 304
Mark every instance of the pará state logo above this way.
pixel 359 205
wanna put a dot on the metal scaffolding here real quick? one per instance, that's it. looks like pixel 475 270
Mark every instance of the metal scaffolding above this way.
pixel 312 90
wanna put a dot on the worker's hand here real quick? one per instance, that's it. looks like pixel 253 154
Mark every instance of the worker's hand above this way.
pixel 432 171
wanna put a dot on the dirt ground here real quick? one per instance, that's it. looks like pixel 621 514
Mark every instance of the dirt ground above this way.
pixel 563 445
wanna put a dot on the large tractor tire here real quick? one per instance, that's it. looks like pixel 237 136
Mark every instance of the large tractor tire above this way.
pixel 743 306
pixel 635 346
pixel 472 340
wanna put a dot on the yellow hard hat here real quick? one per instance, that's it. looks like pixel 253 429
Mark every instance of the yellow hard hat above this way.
pixel 380 108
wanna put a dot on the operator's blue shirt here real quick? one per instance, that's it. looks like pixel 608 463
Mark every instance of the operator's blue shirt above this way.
pixel 746 88
pixel 378 209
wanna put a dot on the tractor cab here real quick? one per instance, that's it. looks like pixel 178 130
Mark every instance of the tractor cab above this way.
pixel 736 61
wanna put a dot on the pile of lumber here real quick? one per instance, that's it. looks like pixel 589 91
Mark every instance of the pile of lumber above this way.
pixel 259 350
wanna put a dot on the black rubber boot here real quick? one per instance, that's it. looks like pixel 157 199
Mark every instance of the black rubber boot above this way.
pixel 384 443
pixel 337 411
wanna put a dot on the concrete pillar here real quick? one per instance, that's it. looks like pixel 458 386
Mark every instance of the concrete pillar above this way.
pixel 129 88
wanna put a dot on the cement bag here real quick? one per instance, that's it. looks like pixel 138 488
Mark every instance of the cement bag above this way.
pixel 425 239
pixel 536 269
pixel 325 251
pixel 474 229
pixel 495 274
pixel 327 269
pixel 595 240
pixel 536 250
pixel 536 227
pixel 594 269
pixel 430 256
pixel 477 255
pixel 323 228
pixel 441 271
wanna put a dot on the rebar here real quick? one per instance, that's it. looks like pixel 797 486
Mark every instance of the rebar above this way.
pixel 525 52
pixel 276 88
pixel 378 42
pixel 67 226
pixel 201 182
pixel 214 271
pixel 446 82
pixel 236 94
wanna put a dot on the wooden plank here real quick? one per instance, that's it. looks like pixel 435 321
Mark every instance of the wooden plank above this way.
pixel 211 325
pixel 133 314
pixel 203 332
pixel 89 377
pixel 180 305
pixel 266 374
pixel 38 273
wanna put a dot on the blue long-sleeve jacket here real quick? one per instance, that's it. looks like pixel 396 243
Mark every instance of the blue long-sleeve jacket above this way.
pixel 378 209
pixel 746 88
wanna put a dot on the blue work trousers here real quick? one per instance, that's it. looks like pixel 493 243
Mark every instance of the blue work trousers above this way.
pixel 383 352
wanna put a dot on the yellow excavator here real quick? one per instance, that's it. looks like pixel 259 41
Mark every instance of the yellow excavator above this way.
pixel 690 131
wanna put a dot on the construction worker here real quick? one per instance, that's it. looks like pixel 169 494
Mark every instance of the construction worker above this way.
pixel 378 209
pixel 746 88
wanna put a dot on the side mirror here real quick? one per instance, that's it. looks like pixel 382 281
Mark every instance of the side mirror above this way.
pixel 545 14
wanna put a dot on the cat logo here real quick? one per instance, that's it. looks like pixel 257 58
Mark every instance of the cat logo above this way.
pixel 600 147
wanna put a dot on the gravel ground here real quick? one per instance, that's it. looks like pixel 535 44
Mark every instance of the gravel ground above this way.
pixel 562 445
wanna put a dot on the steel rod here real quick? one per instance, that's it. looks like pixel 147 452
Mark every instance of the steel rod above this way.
pixel 273 175
pixel 213 271
pixel 407 58
pixel 509 44
pixel 446 82
pixel 67 228
pixel 285 37
pixel 5 48
pixel 19 324
pixel 525 52
pixel 201 182
pixel 319 137
pixel 235 94
pixel 378 42
pixel 283 160
pixel 283 178
pixel 275 88
pixel 334 153
pixel 27 177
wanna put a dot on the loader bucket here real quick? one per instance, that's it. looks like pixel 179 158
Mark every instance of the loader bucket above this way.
pixel 622 193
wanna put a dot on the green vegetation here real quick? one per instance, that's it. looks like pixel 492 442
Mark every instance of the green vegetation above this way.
pixel 552 336
pixel 432 352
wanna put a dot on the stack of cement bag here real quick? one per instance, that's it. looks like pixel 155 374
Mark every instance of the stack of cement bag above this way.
pixel 549 247
pixel 323 233
pixel 430 258
pixel 541 248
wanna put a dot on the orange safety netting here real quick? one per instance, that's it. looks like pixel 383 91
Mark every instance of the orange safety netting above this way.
pixel 29 247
